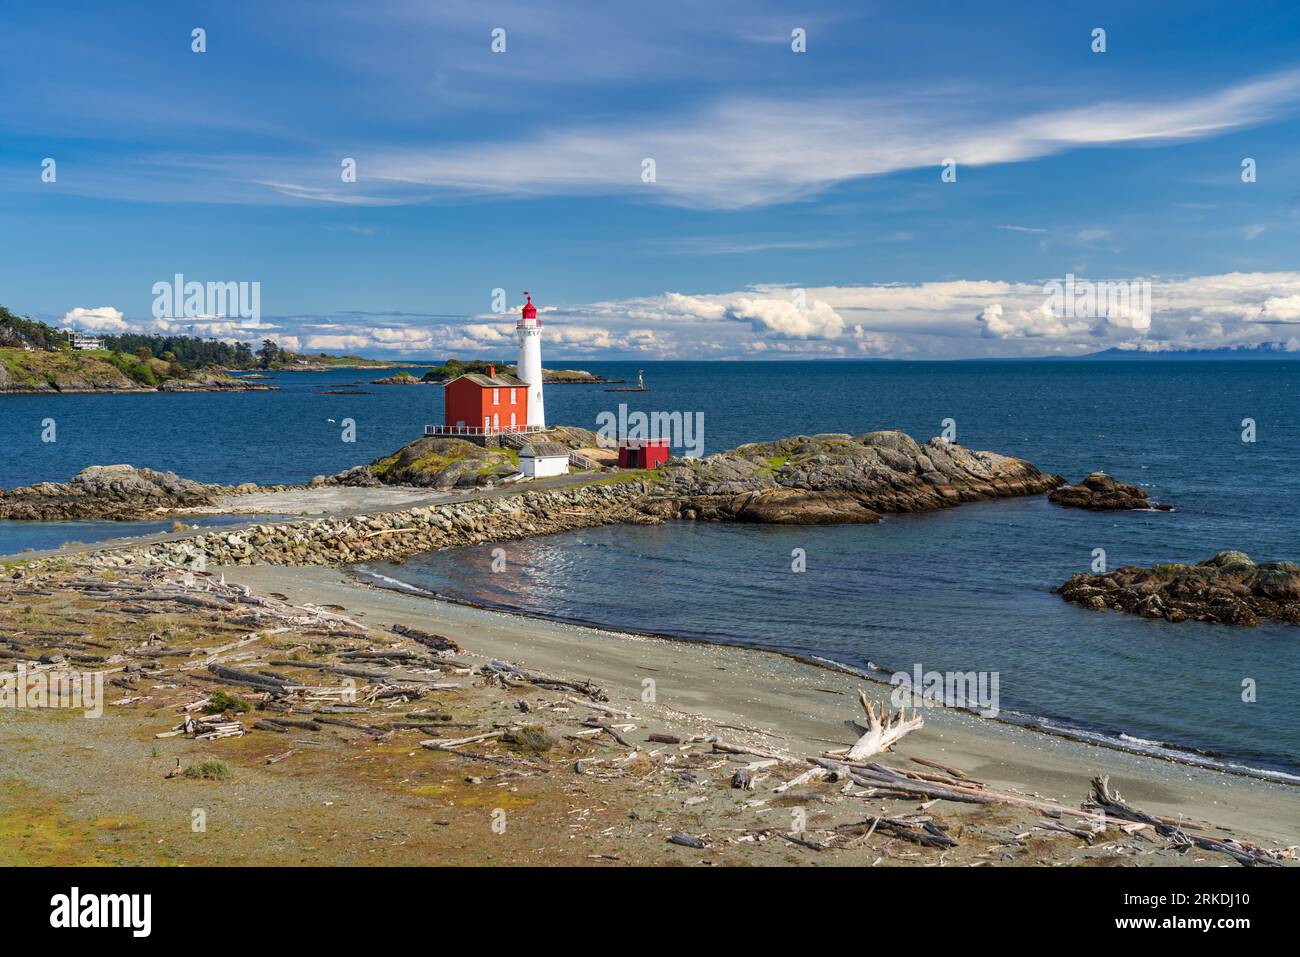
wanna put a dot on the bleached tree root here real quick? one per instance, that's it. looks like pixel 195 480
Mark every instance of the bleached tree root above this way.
pixel 883 732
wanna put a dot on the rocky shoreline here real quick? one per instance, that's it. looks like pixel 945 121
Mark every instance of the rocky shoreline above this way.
pixel 1228 589
pixel 1101 493
pixel 838 478
pixel 802 480
pixel 40 373
pixel 107 493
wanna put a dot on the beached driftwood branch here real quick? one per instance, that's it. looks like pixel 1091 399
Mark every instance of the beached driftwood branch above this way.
pixel 883 732
pixel 918 829
pixel 1111 804
pixel 438 643
pixel 499 667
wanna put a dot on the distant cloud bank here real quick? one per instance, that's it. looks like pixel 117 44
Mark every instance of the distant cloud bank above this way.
pixel 952 319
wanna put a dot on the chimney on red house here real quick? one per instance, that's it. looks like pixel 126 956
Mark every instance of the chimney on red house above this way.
pixel 492 372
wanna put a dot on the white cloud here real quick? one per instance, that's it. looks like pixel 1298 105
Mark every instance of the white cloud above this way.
pixel 1129 318
pixel 487 333
pixel 694 306
pixel 737 153
pixel 99 319
pixel 947 319
pixel 339 343
pixel 784 319
pixel 1025 323
pixel 1281 309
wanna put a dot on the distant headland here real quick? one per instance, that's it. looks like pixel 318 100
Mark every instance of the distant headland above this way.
pixel 458 367
pixel 36 358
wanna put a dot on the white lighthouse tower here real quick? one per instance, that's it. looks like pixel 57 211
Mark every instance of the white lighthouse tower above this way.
pixel 529 369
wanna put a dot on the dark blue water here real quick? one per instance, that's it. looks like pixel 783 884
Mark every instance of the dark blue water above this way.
pixel 965 589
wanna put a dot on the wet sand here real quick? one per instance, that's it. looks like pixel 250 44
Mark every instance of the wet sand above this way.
pixel 802 708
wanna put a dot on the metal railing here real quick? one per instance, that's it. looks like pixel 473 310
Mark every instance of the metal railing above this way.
pixel 581 461
pixel 478 430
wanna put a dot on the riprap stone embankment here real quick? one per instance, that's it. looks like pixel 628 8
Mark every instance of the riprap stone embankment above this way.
pixel 393 536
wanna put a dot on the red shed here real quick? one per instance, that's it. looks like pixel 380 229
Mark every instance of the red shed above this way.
pixel 485 404
pixel 642 453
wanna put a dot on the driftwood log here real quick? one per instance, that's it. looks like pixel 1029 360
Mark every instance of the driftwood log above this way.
pixel 438 643
pixel 583 687
pixel 1110 803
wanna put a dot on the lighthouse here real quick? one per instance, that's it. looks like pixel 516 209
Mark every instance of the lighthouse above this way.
pixel 529 368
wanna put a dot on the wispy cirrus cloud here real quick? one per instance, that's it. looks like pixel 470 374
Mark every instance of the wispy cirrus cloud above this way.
pixel 733 153
pixel 746 152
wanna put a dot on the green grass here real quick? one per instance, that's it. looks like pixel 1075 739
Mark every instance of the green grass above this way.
pixel 628 476
pixel 207 771
pixel 222 701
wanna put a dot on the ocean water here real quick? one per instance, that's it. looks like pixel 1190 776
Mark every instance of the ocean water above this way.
pixel 966 589
pixel 16 537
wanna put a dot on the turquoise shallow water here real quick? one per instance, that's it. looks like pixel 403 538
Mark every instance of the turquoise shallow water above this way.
pixel 965 589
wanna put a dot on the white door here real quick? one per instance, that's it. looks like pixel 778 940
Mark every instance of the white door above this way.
pixel 496 423
pixel 487 423
pixel 512 420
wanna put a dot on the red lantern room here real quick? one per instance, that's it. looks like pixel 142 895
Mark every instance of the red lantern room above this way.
pixel 529 315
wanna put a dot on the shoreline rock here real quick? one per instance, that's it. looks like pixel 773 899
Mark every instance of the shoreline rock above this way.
pixel 399 378
pixel 108 493
pixel 1228 589
pixel 1100 492
pixel 444 462
pixel 838 478
pixel 214 382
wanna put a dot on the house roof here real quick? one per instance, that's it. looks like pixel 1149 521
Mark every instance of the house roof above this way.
pixel 500 380
pixel 543 450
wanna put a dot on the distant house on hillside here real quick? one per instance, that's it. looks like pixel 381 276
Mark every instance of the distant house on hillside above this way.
pixel 84 343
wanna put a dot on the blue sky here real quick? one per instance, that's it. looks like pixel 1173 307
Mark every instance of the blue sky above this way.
pixel 797 207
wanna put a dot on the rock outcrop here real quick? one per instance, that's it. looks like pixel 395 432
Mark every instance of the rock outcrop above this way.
pixel 398 378
pixel 439 463
pixel 214 382
pixel 835 478
pixel 1101 493
pixel 393 536
pixel 448 463
pixel 1227 589
pixel 39 372
pixel 107 493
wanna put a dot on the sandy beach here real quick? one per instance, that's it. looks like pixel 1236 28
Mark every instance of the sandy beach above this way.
pixel 799 707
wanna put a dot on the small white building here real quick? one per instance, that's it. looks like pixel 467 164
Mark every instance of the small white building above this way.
pixel 543 459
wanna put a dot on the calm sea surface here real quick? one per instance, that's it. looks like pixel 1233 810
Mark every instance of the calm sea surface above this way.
pixel 962 590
